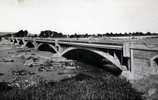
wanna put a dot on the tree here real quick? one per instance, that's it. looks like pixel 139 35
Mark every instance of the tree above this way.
pixel 21 33
pixel 46 33
pixel 49 33
pixel 148 33
pixel 56 34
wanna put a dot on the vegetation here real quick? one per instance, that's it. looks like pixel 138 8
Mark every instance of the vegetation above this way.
pixel 54 34
pixel 81 87
pixel 49 33
pixel 21 33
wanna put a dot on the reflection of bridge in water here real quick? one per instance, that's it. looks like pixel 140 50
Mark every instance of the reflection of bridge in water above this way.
pixel 136 58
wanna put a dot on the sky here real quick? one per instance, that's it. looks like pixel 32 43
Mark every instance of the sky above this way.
pixel 79 16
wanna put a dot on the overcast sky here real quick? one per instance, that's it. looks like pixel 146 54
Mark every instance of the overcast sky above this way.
pixel 79 16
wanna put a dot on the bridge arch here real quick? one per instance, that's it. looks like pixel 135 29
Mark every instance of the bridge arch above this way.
pixel 21 42
pixel 11 40
pixel 15 41
pixel 30 44
pixel 47 47
pixel 94 57
pixel 154 63
pixel 154 60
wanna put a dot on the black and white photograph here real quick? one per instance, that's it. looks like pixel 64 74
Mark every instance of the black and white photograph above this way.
pixel 78 50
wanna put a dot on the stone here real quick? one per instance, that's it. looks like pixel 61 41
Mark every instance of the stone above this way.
pixel 29 62
pixel 6 59
pixel 127 74
pixel 151 91
pixel 70 67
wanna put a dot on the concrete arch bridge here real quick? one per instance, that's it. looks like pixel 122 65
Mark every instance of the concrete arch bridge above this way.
pixel 132 57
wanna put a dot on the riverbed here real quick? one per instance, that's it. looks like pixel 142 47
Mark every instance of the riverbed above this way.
pixel 25 70
pixel 24 64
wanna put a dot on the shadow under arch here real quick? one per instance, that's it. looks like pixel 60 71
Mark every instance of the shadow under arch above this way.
pixel 29 44
pixel 47 47
pixel 94 57
pixel 15 41
pixel 21 42
pixel 11 40
pixel 154 61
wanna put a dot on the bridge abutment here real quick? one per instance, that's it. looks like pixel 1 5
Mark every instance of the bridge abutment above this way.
pixel 142 63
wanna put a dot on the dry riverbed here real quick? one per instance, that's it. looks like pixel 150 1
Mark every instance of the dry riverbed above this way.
pixel 24 67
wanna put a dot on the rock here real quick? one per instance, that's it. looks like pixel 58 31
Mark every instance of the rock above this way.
pixel 6 59
pixel 1 74
pixel 30 65
pixel 70 67
pixel 41 69
pixel 151 91
pixel 20 72
pixel 56 64
pixel 58 59
pixel 29 62
pixel 127 74
pixel 24 50
pixel 66 71
pixel 32 73
pixel 70 63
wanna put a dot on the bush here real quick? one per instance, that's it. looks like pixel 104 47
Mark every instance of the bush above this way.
pixel 81 87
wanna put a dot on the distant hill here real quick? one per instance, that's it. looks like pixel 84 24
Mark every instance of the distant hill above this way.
pixel 5 33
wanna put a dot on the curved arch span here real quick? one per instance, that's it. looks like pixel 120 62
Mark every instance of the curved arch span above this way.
pixel 11 40
pixel 15 41
pixel 154 57
pixel 30 44
pixel 154 61
pixel 21 42
pixel 95 57
pixel 47 47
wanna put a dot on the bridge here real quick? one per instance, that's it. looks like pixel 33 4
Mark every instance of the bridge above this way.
pixel 134 58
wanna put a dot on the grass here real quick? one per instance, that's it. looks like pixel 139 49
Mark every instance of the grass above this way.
pixel 146 85
pixel 81 87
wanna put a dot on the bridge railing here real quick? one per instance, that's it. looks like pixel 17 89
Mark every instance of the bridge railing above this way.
pixel 75 40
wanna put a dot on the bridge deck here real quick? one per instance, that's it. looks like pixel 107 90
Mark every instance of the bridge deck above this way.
pixel 114 43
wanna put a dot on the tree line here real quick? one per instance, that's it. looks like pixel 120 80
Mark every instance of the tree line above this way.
pixel 21 33
pixel 54 34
